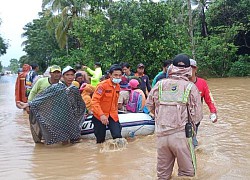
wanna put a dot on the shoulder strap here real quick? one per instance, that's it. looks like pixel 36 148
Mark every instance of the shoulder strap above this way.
pixel 187 92
pixel 160 90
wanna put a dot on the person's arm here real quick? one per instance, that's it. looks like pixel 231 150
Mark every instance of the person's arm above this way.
pixel 34 91
pixel 155 79
pixel 90 71
pixel 97 75
pixel 96 100
pixel 152 98
pixel 209 98
pixel 148 84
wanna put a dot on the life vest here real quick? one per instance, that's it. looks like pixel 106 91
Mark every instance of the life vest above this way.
pixel 175 94
pixel 135 102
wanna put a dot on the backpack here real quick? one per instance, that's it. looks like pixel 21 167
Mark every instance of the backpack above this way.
pixel 135 102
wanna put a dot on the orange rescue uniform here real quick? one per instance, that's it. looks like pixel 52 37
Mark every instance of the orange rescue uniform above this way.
pixel 105 100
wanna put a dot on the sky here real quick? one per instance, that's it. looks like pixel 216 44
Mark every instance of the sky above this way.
pixel 15 14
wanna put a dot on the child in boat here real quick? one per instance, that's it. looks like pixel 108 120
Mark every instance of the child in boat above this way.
pixel 134 85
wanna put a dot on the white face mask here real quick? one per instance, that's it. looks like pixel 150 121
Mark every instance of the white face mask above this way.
pixel 116 80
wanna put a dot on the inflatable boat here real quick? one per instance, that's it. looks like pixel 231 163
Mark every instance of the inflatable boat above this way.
pixel 133 124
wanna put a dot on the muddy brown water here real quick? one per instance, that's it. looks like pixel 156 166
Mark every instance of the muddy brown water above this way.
pixel 223 151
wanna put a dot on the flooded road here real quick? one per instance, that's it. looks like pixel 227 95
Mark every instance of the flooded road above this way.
pixel 223 151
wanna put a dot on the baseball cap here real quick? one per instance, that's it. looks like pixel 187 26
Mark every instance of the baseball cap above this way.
pixel 193 63
pixel 140 65
pixel 54 68
pixel 181 60
pixel 68 68
pixel 133 83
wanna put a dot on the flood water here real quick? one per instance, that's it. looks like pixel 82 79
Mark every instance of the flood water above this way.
pixel 223 151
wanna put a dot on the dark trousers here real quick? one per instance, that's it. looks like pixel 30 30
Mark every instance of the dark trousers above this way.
pixel 100 129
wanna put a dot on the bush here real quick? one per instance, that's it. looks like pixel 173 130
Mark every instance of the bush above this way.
pixel 241 67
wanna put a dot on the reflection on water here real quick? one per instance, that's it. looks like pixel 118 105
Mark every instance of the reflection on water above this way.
pixel 223 151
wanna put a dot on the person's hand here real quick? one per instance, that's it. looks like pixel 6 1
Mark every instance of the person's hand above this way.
pixel 84 67
pixel 104 119
pixel 21 105
pixel 213 117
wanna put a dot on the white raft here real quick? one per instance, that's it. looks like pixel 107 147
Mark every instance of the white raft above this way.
pixel 133 124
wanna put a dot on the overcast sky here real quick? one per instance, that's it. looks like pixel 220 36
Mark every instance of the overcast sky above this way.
pixel 15 14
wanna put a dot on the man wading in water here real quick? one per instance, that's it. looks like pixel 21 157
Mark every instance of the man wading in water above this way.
pixel 57 112
pixel 176 103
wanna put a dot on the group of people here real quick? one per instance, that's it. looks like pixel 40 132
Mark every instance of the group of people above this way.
pixel 175 101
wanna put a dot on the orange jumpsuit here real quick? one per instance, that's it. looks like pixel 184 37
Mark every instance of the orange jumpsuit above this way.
pixel 105 100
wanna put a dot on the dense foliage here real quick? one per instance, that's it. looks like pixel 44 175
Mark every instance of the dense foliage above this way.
pixel 3 44
pixel 85 31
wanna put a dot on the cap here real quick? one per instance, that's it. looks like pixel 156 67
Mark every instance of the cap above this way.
pixel 55 68
pixel 68 68
pixel 181 60
pixel 140 65
pixel 133 83
pixel 193 63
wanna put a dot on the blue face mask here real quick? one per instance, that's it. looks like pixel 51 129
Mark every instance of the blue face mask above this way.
pixel 116 80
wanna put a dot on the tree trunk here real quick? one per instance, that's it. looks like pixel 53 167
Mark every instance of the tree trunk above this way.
pixel 191 28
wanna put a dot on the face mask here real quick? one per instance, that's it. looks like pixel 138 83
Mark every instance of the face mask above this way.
pixel 116 80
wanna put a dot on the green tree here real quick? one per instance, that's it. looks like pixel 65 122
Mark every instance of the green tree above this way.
pixel 40 45
pixel 14 65
pixel 60 24
pixel 3 44
pixel 134 32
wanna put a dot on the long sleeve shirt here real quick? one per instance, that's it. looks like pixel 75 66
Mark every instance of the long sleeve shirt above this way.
pixel 205 94
pixel 95 75
pixel 39 86
pixel 105 100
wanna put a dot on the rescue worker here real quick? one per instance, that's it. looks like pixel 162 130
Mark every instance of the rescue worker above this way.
pixel 175 101
pixel 205 95
pixel 105 106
